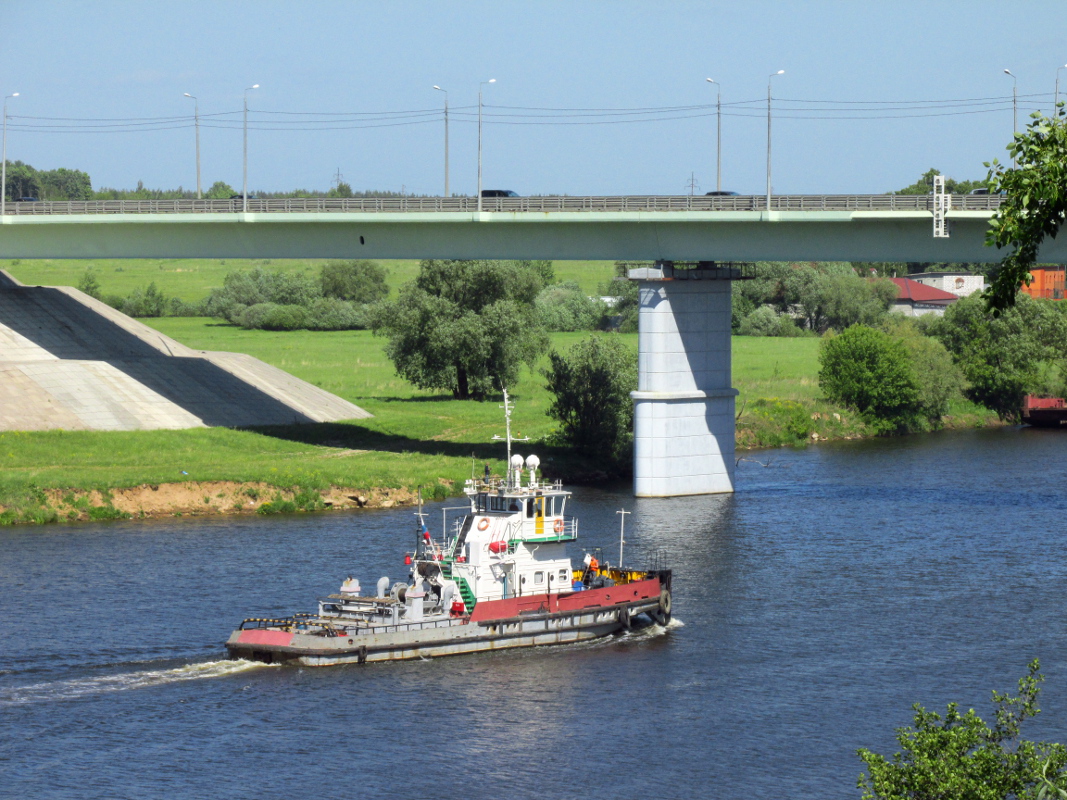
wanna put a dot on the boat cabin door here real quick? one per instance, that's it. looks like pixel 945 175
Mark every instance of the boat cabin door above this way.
pixel 537 507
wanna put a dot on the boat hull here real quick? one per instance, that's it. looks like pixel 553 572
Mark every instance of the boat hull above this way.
pixel 547 623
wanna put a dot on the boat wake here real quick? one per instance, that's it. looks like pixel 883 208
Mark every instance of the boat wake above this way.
pixel 75 688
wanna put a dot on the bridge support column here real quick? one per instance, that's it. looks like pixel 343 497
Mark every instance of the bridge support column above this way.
pixel 684 405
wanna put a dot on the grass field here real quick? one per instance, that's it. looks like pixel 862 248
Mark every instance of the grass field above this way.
pixel 192 279
pixel 415 438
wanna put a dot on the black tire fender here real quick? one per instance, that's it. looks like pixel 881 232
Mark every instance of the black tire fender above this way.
pixel 663 615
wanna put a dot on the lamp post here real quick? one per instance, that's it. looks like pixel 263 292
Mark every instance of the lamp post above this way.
pixel 779 72
pixel 480 85
pixel 3 158
pixel 244 182
pixel 718 135
pixel 438 88
pixel 1014 109
pixel 196 117
pixel 1056 102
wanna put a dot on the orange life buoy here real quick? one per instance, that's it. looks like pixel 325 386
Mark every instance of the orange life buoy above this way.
pixel 483 524
pixel 557 526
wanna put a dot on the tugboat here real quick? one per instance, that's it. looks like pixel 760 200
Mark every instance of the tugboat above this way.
pixel 501 579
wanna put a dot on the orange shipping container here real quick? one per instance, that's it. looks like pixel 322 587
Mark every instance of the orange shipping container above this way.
pixel 1047 283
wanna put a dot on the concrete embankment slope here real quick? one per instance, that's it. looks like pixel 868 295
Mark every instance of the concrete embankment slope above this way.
pixel 69 361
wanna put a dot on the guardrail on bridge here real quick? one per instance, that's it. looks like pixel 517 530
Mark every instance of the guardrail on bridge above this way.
pixel 664 203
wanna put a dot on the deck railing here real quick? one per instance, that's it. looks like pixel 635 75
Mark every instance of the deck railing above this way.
pixel 656 203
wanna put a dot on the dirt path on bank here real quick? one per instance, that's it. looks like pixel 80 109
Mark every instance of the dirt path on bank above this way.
pixel 212 498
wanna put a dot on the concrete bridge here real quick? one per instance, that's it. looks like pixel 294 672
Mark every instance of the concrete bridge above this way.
pixel 684 406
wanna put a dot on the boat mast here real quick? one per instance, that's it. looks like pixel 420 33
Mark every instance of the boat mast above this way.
pixel 622 530
pixel 507 430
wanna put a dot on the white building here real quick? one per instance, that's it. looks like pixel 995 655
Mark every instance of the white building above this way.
pixel 961 284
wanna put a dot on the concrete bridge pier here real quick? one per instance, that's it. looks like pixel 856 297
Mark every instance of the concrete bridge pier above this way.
pixel 684 404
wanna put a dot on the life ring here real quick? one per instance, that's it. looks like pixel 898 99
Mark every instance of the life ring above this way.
pixel 557 526
pixel 483 524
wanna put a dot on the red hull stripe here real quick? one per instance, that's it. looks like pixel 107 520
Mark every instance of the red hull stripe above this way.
pixel 571 601
pixel 265 637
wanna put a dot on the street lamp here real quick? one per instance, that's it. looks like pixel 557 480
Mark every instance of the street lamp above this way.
pixel 438 88
pixel 779 72
pixel 718 135
pixel 196 116
pixel 480 85
pixel 1014 109
pixel 244 184
pixel 3 157
pixel 1056 104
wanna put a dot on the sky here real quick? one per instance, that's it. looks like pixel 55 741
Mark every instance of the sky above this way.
pixel 590 98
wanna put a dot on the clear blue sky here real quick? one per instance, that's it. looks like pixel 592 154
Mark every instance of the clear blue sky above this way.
pixel 126 60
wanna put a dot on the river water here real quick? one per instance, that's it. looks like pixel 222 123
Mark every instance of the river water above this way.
pixel 838 586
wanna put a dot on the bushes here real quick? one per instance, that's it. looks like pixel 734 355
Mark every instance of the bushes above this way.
pixel 870 371
pixel 898 383
pixel 340 299
pixel 356 281
pixel 565 307
pixel 243 289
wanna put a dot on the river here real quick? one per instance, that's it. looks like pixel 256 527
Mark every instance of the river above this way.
pixel 838 586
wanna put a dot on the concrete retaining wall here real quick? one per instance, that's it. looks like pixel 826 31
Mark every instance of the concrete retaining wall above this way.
pixel 69 361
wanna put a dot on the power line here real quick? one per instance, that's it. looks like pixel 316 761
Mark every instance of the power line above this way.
pixel 268 120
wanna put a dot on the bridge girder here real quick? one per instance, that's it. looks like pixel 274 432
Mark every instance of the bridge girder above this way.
pixel 865 236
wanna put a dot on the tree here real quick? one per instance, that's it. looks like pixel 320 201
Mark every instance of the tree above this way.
pixel 65 184
pixel 89 284
pixel 565 307
pixel 627 301
pixel 465 326
pixel 357 281
pixel 869 370
pixel 824 294
pixel 592 386
pixel 220 190
pixel 1005 357
pixel 342 189
pixel 1034 203
pixel 925 184
pixel 940 380
pixel 22 181
pixel 961 756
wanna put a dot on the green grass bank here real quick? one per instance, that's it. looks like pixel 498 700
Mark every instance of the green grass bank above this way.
pixel 416 438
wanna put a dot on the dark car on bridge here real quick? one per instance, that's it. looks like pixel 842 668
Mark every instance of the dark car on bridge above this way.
pixel 721 194
pixel 27 200
pixel 499 193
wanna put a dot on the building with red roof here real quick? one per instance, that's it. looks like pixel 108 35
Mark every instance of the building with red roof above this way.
pixel 916 299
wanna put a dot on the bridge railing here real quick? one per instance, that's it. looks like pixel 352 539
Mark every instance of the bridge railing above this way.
pixel 653 203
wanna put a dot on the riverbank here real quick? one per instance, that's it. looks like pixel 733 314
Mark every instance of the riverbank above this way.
pixel 416 438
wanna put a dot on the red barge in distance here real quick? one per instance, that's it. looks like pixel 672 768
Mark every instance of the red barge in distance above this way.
pixel 500 579
pixel 1044 412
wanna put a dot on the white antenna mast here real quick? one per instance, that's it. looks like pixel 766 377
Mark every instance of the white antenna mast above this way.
pixel 507 429
pixel 622 530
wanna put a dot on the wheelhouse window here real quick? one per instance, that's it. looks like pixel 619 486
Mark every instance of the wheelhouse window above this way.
pixel 539 578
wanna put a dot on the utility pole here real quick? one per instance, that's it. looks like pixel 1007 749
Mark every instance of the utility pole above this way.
pixel 779 72
pixel 718 135
pixel 692 184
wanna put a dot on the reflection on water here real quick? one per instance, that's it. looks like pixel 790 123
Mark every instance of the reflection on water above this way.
pixel 838 586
